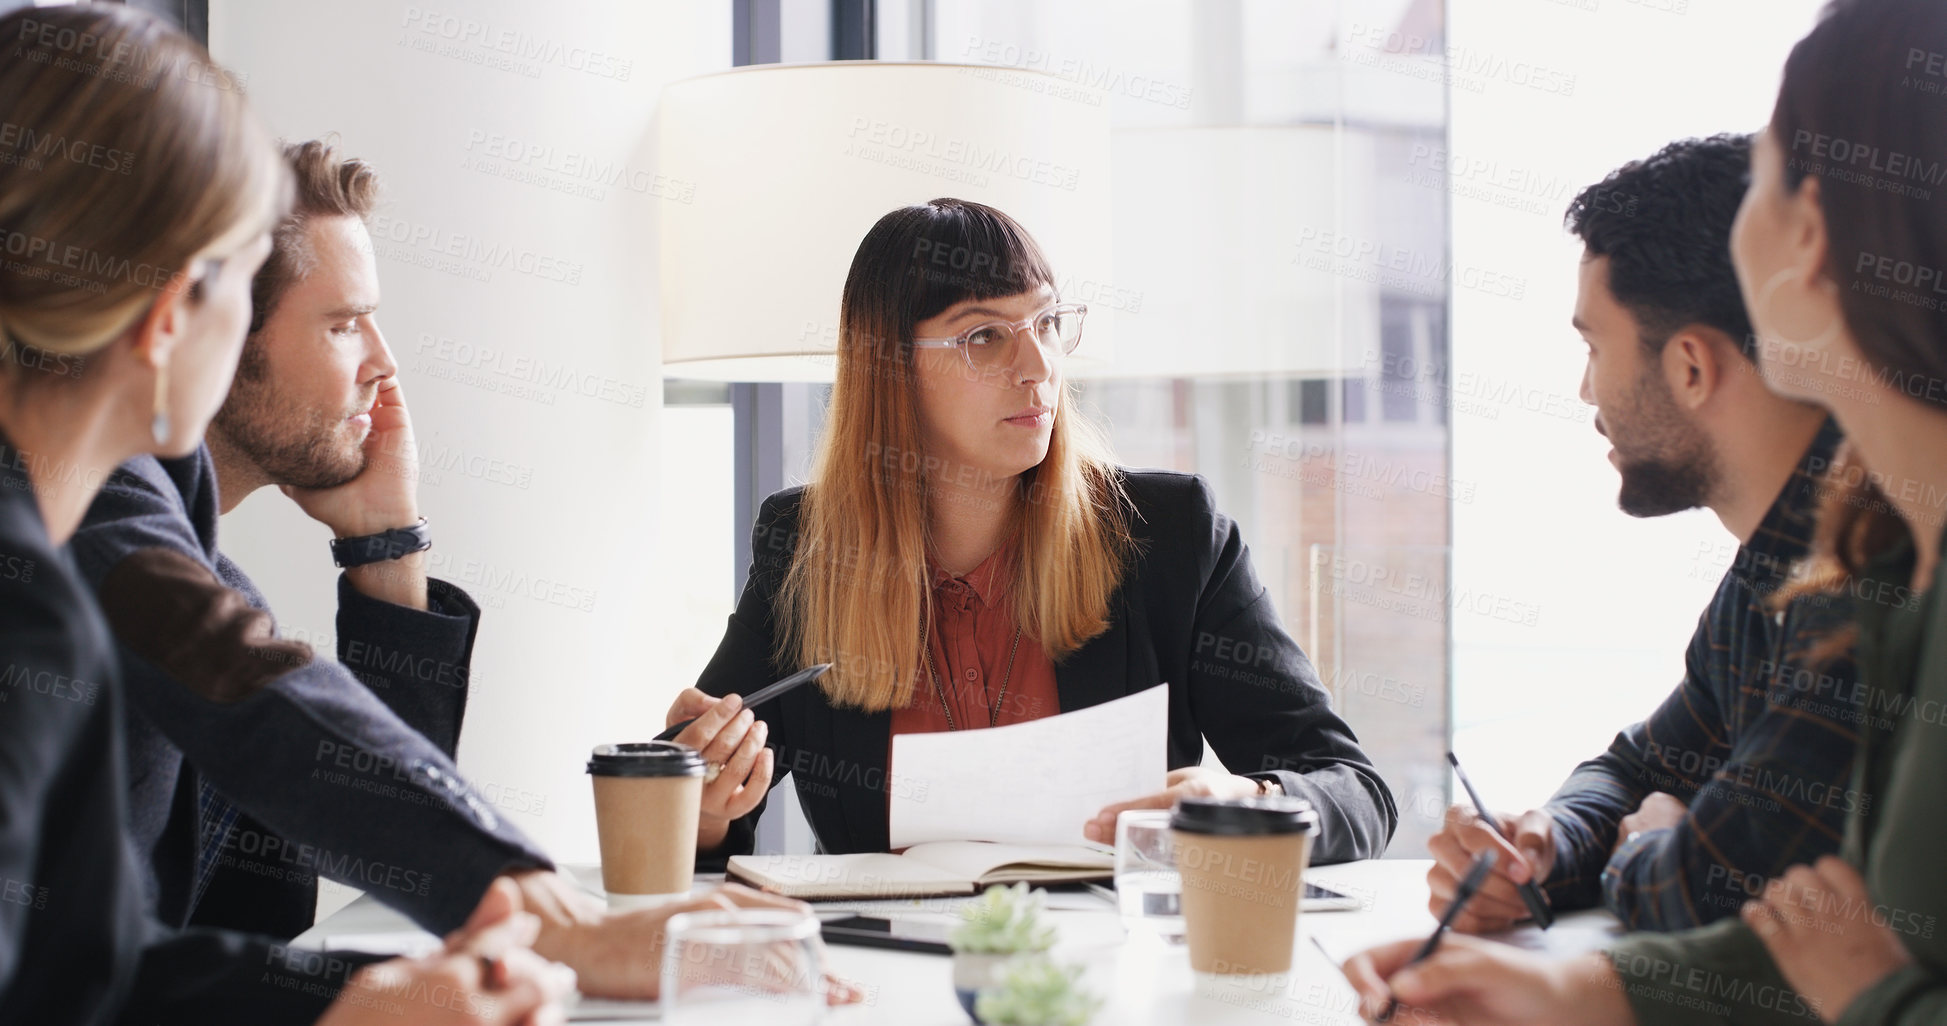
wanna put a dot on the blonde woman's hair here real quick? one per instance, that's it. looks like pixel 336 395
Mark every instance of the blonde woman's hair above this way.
pixel 126 152
pixel 858 590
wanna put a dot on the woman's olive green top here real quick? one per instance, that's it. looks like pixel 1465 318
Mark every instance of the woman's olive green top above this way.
pixel 1897 835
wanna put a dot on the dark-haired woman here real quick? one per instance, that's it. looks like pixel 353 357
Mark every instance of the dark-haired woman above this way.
pixel 122 313
pixel 1841 269
pixel 968 555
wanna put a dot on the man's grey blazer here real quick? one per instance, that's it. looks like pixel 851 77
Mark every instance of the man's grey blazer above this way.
pixel 338 769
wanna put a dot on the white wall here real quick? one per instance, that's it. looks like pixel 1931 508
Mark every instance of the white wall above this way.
pixel 543 500
pixel 1547 98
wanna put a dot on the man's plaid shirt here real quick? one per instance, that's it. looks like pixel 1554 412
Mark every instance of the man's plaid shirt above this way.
pixel 1758 741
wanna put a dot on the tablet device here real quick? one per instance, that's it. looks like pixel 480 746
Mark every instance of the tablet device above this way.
pixel 898 934
pixel 1325 899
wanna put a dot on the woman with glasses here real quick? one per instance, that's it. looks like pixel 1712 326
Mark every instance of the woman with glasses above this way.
pixel 968 555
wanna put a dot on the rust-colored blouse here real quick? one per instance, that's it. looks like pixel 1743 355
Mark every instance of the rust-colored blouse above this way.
pixel 971 637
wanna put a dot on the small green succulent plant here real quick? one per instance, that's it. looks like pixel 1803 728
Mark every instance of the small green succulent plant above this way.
pixel 1033 990
pixel 1005 921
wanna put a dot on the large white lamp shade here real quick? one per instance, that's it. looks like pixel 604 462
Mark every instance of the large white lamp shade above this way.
pixel 792 164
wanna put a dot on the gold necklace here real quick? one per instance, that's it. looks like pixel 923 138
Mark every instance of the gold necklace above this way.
pixel 994 715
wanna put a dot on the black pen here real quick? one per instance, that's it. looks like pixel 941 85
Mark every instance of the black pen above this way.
pixel 765 694
pixel 1530 894
pixel 1469 886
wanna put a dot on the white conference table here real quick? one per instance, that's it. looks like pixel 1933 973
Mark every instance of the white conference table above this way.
pixel 1143 980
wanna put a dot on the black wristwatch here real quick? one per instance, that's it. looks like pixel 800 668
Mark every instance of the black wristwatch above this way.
pixel 377 548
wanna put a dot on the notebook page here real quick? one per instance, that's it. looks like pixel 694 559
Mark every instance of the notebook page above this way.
pixel 1029 783
pixel 975 859
pixel 864 874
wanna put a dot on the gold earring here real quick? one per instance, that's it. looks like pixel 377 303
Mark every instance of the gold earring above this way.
pixel 1762 302
pixel 159 426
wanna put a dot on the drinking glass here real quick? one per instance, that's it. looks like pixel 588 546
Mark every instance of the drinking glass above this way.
pixel 1148 889
pixel 763 967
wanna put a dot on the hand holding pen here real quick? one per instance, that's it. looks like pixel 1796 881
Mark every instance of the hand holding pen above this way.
pixel 1470 885
pixel 1511 894
pixel 1530 892
pixel 733 741
pixel 1457 980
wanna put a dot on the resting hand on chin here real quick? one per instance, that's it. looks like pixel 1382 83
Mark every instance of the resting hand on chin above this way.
pixel 1188 782
pixel 384 496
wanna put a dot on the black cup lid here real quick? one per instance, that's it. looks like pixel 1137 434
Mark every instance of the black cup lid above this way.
pixel 645 759
pixel 1243 817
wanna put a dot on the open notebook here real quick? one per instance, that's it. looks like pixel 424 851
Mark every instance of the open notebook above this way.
pixel 927 870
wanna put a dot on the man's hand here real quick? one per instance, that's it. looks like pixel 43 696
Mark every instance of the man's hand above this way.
pixel 562 907
pixel 1469 981
pixel 383 496
pixel 1658 811
pixel 1528 857
pixel 1188 782
pixel 1816 921
pixel 731 738
pixel 485 974
pixel 619 954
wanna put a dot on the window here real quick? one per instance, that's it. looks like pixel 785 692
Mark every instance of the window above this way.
pixel 1345 510
pixel 1314 400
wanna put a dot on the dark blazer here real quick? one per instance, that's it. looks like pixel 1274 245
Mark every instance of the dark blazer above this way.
pixel 340 769
pixel 1189 612
pixel 75 946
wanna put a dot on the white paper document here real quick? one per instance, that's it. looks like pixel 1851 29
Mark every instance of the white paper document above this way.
pixel 1029 783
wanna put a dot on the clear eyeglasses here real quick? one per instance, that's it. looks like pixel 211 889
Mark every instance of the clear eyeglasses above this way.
pixel 1057 330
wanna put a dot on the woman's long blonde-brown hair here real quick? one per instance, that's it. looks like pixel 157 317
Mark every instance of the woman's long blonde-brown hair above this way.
pixel 127 153
pixel 1902 345
pixel 858 589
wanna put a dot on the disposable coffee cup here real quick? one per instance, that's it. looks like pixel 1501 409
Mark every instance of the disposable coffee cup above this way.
pixel 1243 865
pixel 647 799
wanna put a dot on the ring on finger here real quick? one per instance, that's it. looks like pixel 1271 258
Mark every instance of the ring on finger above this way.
pixel 711 771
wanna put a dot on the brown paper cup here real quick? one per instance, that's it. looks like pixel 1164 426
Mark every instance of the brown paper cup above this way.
pixel 647 799
pixel 1243 866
